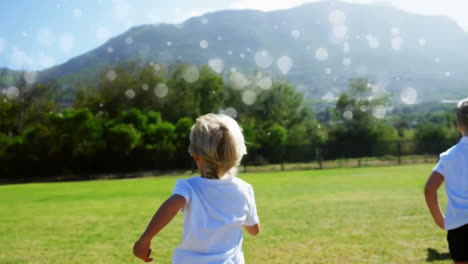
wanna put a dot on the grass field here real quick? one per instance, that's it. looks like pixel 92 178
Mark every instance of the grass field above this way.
pixel 362 215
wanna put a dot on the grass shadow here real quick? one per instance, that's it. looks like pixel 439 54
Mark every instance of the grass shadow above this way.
pixel 434 255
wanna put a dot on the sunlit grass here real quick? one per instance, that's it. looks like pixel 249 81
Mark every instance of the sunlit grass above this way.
pixel 362 215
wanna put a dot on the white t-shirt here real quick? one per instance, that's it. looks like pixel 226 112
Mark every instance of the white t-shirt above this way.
pixel 453 165
pixel 214 214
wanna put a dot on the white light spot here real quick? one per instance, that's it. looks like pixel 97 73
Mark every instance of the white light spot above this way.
pixel 157 67
pixel 263 59
pixel 363 108
pixel 145 87
pixel 111 75
pixel 249 97
pixel 397 43
pixel 12 92
pixel 169 43
pixel 191 74
pixel 45 37
pixel 422 42
pixel 77 12
pixel 346 47
pixel 328 70
pixel 231 112
pixel 329 97
pixel 101 105
pixel 295 33
pixel 238 80
pixel 437 60
pixel 216 65
pixel 372 41
pixel 110 50
pixel 229 52
pixel 220 38
pixel 233 69
pixel 130 94
pixel 204 44
pixel 339 31
pixel 409 95
pixel 379 111
pixel 242 55
pixel 337 17
pixel 161 90
pixel 204 20
pixel 120 9
pixel 30 77
pixel 45 61
pixel 448 74
pixel 348 115
pixel 129 40
pixel 265 83
pixel 321 54
pixel 67 43
pixel 2 45
pixel 102 33
pixel 284 64
pixel 395 31
pixel 346 61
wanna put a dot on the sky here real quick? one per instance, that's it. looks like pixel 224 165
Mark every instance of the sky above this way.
pixel 38 34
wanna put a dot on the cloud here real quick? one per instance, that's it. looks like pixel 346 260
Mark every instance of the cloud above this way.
pixel 20 60
pixel 45 37
pixel 2 45
pixel 67 42
pixel 120 8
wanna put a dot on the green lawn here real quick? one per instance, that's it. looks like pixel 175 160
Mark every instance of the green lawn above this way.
pixel 365 215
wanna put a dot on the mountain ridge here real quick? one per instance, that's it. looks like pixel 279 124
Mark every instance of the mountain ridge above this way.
pixel 408 49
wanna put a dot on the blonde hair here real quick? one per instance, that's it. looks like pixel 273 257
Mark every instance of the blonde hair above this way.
pixel 462 113
pixel 217 139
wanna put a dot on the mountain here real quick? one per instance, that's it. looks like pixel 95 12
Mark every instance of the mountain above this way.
pixel 327 44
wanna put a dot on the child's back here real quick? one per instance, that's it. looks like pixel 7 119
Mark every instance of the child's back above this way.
pixel 214 214
pixel 453 165
pixel 216 205
pixel 453 169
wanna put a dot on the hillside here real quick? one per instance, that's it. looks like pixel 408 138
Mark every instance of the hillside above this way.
pixel 327 44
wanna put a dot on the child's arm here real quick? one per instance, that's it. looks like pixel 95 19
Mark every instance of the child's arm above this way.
pixel 253 230
pixel 430 192
pixel 161 218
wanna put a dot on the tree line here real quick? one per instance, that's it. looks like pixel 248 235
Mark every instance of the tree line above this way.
pixel 139 118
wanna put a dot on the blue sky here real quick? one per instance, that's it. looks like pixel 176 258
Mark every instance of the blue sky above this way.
pixel 37 34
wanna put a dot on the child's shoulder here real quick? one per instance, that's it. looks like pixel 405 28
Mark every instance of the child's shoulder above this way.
pixel 451 153
pixel 242 183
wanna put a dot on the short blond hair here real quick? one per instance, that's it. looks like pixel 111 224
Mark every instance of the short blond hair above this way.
pixel 218 140
pixel 462 113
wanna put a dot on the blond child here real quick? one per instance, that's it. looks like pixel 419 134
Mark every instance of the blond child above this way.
pixel 215 206
pixel 453 169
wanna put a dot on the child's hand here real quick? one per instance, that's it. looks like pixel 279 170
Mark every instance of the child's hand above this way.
pixel 142 250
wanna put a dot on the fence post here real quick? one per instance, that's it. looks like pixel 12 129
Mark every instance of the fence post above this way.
pixel 399 152
pixel 282 157
pixel 318 153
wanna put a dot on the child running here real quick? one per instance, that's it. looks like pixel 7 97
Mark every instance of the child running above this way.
pixel 453 169
pixel 215 206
